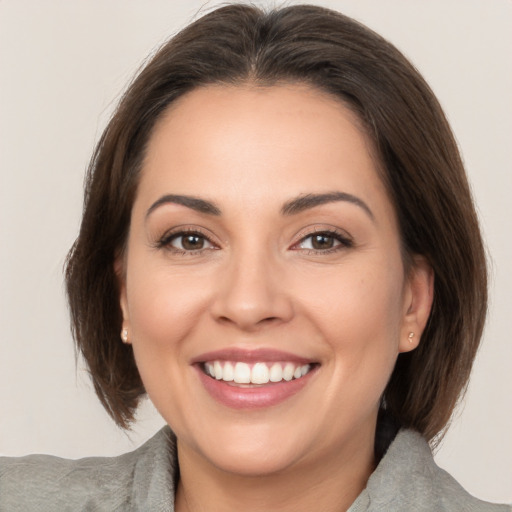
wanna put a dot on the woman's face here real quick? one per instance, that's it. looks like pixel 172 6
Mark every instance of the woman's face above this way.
pixel 264 290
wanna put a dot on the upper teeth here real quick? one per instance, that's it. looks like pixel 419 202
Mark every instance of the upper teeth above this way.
pixel 259 373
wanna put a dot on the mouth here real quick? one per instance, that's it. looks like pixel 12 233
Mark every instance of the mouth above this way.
pixel 257 373
pixel 242 379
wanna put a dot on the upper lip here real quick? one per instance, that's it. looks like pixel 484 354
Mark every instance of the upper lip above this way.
pixel 250 356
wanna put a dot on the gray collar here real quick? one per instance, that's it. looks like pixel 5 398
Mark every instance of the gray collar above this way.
pixel 406 479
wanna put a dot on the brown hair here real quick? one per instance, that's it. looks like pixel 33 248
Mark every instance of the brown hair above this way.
pixel 418 157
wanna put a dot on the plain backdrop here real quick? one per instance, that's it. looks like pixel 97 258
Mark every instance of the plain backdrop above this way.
pixel 63 65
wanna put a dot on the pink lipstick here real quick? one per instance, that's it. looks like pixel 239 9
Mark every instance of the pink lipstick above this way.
pixel 248 379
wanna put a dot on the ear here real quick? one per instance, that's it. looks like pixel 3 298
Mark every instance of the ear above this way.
pixel 119 269
pixel 418 295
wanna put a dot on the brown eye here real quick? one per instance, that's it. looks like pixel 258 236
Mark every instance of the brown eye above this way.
pixel 187 242
pixel 192 242
pixel 322 241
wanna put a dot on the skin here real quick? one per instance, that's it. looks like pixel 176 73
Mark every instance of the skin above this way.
pixel 257 283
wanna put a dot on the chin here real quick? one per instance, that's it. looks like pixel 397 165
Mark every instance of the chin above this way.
pixel 249 449
pixel 253 459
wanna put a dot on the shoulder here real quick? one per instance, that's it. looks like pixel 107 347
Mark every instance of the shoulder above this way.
pixel 407 478
pixel 132 481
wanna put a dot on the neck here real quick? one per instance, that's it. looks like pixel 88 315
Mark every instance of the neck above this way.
pixel 331 484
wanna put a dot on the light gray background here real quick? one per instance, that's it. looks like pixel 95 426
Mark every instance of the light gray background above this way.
pixel 64 63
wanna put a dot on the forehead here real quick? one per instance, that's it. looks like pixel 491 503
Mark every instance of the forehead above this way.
pixel 253 144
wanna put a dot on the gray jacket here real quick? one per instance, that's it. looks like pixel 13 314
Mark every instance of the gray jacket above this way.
pixel 406 480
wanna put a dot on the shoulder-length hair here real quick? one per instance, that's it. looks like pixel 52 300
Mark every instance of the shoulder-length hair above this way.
pixel 418 160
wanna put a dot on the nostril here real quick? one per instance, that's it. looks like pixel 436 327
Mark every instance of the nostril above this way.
pixel 267 320
pixel 250 304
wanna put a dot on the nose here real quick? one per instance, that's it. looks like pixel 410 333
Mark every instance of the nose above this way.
pixel 252 293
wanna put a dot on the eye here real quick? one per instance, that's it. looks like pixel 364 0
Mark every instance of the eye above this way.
pixel 186 242
pixel 324 241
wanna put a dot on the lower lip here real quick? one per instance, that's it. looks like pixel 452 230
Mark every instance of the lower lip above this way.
pixel 255 397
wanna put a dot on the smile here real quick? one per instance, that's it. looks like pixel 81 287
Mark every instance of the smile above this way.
pixel 255 373
pixel 253 378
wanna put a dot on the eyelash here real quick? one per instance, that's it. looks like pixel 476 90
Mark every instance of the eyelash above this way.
pixel 344 241
pixel 169 237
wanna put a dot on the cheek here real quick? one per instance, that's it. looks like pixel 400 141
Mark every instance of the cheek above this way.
pixel 164 313
pixel 356 304
pixel 359 315
pixel 164 309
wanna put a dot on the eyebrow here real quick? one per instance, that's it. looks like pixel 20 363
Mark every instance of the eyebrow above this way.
pixel 194 203
pixel 292 207
pixel 305 202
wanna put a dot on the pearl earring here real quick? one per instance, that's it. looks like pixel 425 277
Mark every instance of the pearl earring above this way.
pixel 124 335
pixel 411 336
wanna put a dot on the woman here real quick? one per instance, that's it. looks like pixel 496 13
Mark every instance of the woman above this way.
pixel 278 226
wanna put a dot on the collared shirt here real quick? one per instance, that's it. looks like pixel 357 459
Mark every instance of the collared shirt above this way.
pixel 406 480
